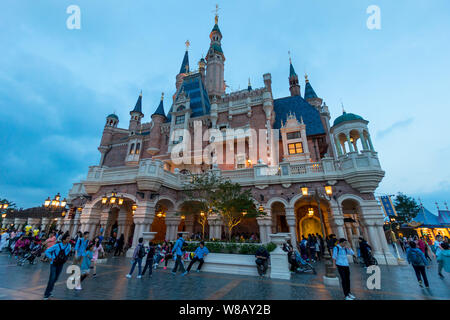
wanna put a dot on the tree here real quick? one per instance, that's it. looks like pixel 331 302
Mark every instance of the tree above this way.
pixel 406 207
pixel 211 194
pixel 234 205
pixel 200 193
pixel 11 207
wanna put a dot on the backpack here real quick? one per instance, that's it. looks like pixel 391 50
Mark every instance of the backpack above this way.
pixel 184 246
pixel 415 258
pixel 61 258
pixel 141 252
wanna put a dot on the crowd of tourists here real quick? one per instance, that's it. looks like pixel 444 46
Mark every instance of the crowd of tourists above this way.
pixel 56 247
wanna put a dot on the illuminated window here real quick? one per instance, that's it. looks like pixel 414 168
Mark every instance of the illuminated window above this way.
pixel 138 148
pixel 293 135
pixel 179 119
pixel 295 148
pixel 132 148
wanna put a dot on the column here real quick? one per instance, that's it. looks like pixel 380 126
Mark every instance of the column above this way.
pixel 76 225
pixel 143 218
pixel 290 219
pixel 350 144
pixel 370 142
pixel 363 140
pixel 373 239
pixel 338 146
pixel 263 235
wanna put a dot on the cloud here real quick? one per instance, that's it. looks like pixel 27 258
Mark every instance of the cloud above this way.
pixel 397 125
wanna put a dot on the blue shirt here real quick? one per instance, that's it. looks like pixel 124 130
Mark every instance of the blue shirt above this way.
pixel 178 246
pixel 340 255
pixel 86 263
pixel 53 251
pixel 201 252
pixel 81 246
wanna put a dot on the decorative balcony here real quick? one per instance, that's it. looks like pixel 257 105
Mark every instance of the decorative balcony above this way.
pixel 361 170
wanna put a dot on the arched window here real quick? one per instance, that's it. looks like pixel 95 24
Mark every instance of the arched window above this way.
pixel 132 148
pixel 138 148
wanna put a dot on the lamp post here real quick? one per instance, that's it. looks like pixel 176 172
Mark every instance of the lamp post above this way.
pixel 330 271
pixel 55 206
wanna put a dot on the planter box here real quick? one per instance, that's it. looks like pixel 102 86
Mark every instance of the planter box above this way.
pixel 241 264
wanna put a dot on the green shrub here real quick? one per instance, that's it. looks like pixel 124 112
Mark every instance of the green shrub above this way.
pixel 271 246
pixel 231 248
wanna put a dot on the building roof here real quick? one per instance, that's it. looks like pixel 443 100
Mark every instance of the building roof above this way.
pixel 216 29
pixel 347 117
pixel 185 64
pixel 112 115
pixel 430 220
pixel 138 106
pixel 194 88
pixel 301 109
pixel 309 91
pixel 292 71
pixel 160 109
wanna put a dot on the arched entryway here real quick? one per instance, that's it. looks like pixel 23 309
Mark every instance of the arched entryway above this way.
pixel 308 221
pixel 353 226
pixel 164 211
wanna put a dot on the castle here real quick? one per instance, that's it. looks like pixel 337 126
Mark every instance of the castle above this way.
pixel 301 169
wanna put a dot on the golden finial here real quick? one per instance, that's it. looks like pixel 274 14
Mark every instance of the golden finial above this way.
pixel 342 104
pixel 141 93
pixel 289 54
pixel 249 84
pixel 217 14
pixel 187 45
pixel 306 78
pixel 162 96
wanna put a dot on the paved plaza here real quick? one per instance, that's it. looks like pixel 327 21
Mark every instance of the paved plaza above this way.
pixel 29 281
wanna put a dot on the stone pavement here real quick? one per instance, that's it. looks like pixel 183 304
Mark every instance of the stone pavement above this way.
pixel 29 281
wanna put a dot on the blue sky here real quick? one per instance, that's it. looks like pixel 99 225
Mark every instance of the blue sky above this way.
pixel 57 85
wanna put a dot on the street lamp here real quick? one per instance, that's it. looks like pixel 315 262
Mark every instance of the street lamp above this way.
pixel 56 205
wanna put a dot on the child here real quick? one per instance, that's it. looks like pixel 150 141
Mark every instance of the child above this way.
pixel 149 261
pixel 158 256
pixel 97 248
pixel 86 265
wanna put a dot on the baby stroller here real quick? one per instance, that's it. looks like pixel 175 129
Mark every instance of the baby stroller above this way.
pixel 31 255
pixel 299 265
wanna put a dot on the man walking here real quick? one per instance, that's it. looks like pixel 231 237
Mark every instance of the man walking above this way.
pixel 340 260
pixel 364 249
pixel 200 253
pixel 58 256
pixel 178 253
pixel 138 255
pixel 80 248
pixel 438 249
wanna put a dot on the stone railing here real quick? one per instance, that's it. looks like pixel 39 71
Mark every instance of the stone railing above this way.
pixel 150 174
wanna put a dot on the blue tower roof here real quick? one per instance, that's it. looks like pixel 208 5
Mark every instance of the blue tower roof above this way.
pixel 194 88
pixel 160 109
pixel 185 64
pixel 309 91
pixel 112 115
pixel 298 106
pixel 138 106
pixel 292 71
pixel 346 117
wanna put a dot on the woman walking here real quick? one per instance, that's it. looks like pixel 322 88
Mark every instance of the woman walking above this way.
pixel 97 248
pixel 86 265
pixel 417 259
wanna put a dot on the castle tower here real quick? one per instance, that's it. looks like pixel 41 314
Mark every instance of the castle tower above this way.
pixel 105 144
pixel 136 116
pixel 158 118
pixel 294 87
pixel 311 96
pixel 184 70
pixel 215 84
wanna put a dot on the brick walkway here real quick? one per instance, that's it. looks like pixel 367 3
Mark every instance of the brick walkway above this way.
pixel 29 282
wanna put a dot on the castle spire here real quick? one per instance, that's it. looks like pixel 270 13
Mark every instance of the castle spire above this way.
pixel 309 91
pixel 294 87
pixel 160 109
pixel 185 64
pixel 138 106
pixel 215 84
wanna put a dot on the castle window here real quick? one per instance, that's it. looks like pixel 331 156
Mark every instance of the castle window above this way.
pixel 295 148
pixel 138 148
pixel 179 119
pixel 293 135
pixel 132 148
